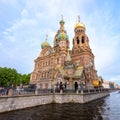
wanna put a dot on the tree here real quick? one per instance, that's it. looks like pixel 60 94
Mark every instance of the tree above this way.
pixel 9 76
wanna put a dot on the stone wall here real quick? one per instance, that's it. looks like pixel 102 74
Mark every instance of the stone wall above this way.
pixel 20 102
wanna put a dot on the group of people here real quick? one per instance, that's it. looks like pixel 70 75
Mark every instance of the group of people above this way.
pixel 3 91
pixel 61 86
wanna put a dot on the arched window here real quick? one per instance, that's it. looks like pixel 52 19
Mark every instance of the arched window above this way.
pixel 48 75
pixel 78 41
pixel 43 75
pixel 83 41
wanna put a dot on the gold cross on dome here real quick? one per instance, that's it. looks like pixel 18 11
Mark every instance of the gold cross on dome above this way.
pixel 62 17
pixel 78 18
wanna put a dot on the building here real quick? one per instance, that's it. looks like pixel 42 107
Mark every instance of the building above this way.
pixel 60 64
pixel 106 84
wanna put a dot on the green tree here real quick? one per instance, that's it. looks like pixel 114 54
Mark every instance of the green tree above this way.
pixel 9 76
pixel 25 78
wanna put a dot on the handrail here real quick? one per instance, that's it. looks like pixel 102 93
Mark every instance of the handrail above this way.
pixel 52 91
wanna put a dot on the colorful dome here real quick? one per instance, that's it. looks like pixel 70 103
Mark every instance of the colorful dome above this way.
pixel 63 36
pixel 79 25
pixel 45 44
pixel 62 21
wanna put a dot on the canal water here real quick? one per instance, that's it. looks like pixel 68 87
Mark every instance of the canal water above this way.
pixel 107 108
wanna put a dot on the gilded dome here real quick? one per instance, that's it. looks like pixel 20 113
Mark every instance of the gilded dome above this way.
pixel 79 25
pixel 45 44
pixel 63 36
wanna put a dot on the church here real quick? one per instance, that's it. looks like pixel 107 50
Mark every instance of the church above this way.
pixel 60 64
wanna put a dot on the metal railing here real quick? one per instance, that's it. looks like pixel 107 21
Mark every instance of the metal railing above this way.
pixel 50 91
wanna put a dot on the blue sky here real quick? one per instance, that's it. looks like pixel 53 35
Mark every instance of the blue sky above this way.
pixel 25 23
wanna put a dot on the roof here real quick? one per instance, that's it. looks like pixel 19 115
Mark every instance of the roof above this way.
pixel 79 25
pixel 62 71
pixel 78 72
pixel 45 44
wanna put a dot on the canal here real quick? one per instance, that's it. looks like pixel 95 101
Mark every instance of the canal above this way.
pixel 107 108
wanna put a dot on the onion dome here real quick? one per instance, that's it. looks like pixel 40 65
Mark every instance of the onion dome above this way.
pixel 62 21
pixel 79 24
pixel 63 36
pixel 45 43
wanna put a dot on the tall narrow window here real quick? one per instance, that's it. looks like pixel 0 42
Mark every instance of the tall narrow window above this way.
pixel 48 75
pixel 78 41
pixel 83 39
pixel 73 41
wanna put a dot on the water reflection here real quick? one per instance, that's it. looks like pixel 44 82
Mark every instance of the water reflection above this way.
pixel 102 109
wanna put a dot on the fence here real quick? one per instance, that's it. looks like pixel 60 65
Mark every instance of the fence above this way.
pixel 15 92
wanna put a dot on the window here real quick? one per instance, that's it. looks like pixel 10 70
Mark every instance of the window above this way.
pixel 48 75
pixel 42 75
pixel 78 41
pixel 73 41
pixel 83 39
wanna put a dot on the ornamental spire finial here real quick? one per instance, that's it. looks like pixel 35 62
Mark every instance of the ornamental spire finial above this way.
pixel 46 37
pixel 62 17
pixel 78 18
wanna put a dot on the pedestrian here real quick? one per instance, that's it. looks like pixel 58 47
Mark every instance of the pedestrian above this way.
pixel 76 86
pixel 61 86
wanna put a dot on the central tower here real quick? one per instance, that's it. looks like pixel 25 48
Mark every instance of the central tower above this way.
pixel 61 42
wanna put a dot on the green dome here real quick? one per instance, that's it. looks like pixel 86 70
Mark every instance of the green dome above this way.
pixel 45 44
pixel 63 36
pixel 62 21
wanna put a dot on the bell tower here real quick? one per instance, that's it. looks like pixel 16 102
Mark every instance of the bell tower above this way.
pixel 80 40
pixel 82 54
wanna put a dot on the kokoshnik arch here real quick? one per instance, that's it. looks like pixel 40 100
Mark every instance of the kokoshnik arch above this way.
pixel 60 64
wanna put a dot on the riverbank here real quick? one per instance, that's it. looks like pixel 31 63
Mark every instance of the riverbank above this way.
pixel 10 103
pixel 107 108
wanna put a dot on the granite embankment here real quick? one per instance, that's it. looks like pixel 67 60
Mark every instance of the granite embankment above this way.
pixel 15 102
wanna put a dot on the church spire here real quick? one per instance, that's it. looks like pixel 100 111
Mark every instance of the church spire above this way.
pixel 46 37
pixel 62 22
pixel 62 17
pixel 45 43
pixel 78 18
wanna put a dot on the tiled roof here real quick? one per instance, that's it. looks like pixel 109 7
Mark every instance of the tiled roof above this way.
pixel 62 71
pixel 78 72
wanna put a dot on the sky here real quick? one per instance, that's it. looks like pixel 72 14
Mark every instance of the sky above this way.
pixel 25 23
